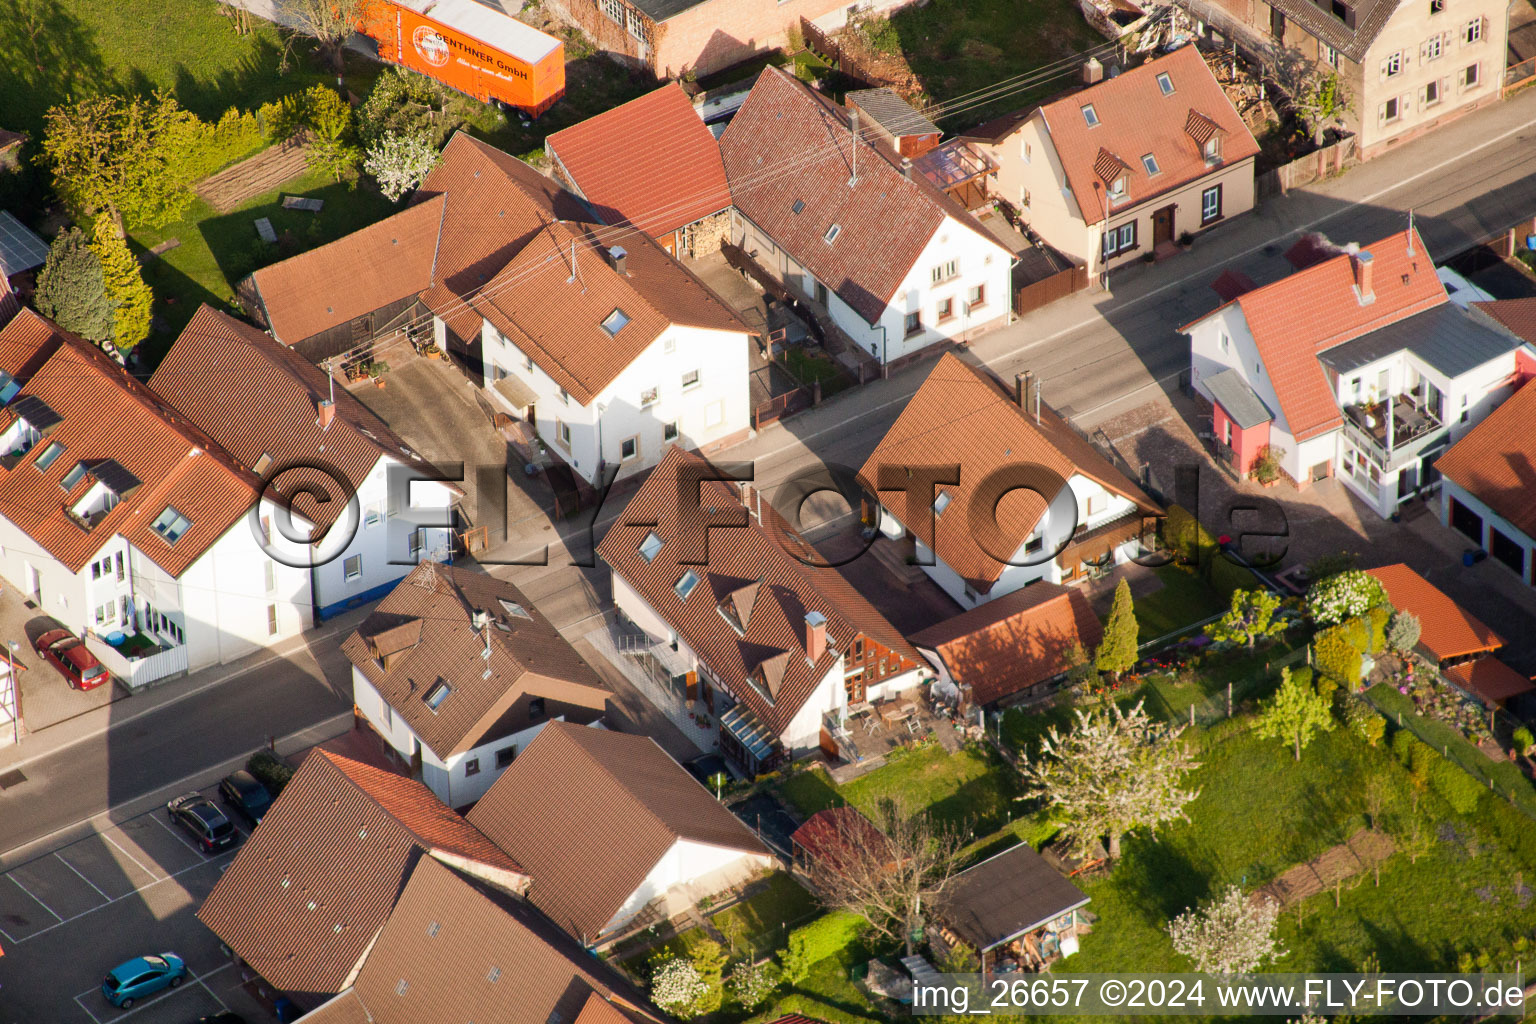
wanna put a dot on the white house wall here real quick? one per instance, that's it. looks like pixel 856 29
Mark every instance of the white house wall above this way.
pixel 464 788
pixel 706 869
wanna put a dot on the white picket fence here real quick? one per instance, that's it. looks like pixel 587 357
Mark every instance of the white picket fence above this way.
pixel 137 673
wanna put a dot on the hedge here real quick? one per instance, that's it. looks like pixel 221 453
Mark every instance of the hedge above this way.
pixel 822 938
pixel 270 770
pixel 1377 619
pixel 1460 790
pixel 1334 656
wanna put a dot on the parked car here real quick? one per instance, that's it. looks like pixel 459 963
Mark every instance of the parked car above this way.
pixel 207 824
pixel 246 795
pixel 142 976
pixel 71 657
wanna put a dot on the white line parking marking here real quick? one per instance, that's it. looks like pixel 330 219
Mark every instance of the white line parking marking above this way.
pixel 176 833
pixel 87 881
pixel 159 996
pixel 222 1004
pixel 7 936
pixel 206 862
pixel 130 856
pixel 87 1009
pixel 29 892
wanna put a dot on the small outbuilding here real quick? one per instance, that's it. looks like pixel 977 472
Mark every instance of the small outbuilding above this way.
pixel 1016 911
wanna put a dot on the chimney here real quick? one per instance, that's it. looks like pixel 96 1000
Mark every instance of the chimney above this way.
pixel 479 619
pixel 327 410
pixel 906 167
pixel 1362 261
pixel 619 257
pixel 853 127
pixel 1093 71
pixel 1024 389
pixel 815 636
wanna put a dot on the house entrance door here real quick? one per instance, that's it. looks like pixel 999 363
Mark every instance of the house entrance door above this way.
pixel 1162 226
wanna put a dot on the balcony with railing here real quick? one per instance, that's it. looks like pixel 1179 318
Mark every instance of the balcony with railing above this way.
pixel 1393 438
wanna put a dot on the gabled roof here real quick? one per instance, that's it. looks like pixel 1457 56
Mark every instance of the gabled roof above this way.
pixel 789 144
pixel 126 436
pixel 1495 461
pixel 1299 317
pixel 650 162
pixel 960 417
pixel 1370 17
pixel 1516 315
pixel 829 834
pixel 1491 680
pixel 423 632
pixel 758 551
pixel 454 951
pixel 211 375
pixel 496 203
pixel 1007 895
pixel 1135 118
pixel 1015 642
pixel 380 264
pixel 1446 630
pixel 590 812
pixel 311 887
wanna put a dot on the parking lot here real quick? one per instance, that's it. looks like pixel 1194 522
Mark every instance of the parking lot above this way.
pixel 72 914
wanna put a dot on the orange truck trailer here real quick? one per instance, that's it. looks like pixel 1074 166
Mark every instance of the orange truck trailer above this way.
pixel 470 46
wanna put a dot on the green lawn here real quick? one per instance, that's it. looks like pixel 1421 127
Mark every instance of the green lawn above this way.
pixel 958 47
pixel 810 366
pixel 217 250
pixel 762 921
pixel 1183 598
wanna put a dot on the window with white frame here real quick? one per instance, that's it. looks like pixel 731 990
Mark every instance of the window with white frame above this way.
pixel 1210 204
pixel 636 25
pixel 1432 49
pixel 1390 111
pixel 946 270
pixel 614 9
pixel 669 431
pixel 1328 55
pixel 1120 239
pixel 1165 83
pixel 690 380
pixel 1025 151
pixel 1470 77
pixel 269 576
pixel 352 568
pixel 629 448
pixel 649 396
pixel 271 620
pixel 563 432
pixel 1023 196
pixel 1117 188
pixel 1472 31
pixel 1090 115
pixel 1392 65
pixel 373 514
pixel 1432 93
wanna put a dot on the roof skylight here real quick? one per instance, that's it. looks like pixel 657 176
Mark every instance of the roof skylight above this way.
pixel 615 322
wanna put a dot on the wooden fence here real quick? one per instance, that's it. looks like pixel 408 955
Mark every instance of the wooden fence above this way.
pixel 823 43
pixel 1032 296
pixel 780 406
pixel 1517 75
pixel 1304 170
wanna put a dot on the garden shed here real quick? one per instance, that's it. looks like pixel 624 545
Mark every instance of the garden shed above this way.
pixel 1015 910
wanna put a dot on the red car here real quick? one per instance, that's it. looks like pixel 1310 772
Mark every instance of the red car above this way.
pixel 71 657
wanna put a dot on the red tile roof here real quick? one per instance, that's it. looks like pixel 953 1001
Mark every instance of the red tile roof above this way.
pixel 106 416
pixel 423 631
pixel 1446 630
pixel 787 589
pixel 650 162
pixel 789 144
pixel 1134 119
pixel 1491 680
pixel 1517 315
pixel 307 893
pixel 1301 316
pixel 961 417
pixel 208 374
pixel 589 813
pixel 380 264
pixel 1017 641
pixel 828 834
pixel 1495 461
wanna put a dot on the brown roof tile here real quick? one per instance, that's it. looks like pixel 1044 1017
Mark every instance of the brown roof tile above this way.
pixel 1135 118
pixel 1301 316
pixel 454 952
pixel 960 417
pixel 1491 680
pixel 589 813
pixel 207 375
pixel 828 834
pixel 1015 642
pixel 1495 461
pixel 424 630
pixel 356 274
pixel 106 416
pixel 757 552
pixel 1446 629
pixel 651 162
pixel 308 892
pixel 1518 315
pixel 790 144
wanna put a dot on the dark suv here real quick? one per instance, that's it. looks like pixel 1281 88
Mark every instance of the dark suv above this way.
pixel 249 798
pixel 206 823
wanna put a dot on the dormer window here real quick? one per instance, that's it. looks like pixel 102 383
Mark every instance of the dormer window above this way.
pixel 615 322
pixel 1090 115
pixel 832 233
pixel 650 547
pixel 684 586
pixel 94 504
pixel 170 525
pixel 1213 149
pixel 436 694
pixel 1117 188
pixel 1165 83
pixel 18 439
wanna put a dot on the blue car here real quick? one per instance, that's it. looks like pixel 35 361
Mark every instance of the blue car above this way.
pixel 142 976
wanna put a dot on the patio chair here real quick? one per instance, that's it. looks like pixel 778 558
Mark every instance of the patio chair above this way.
pixel 871 725
pixel 913 726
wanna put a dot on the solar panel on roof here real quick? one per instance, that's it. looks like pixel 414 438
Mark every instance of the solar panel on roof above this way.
pixel 37 412
pixel 112 473
pixel 20 248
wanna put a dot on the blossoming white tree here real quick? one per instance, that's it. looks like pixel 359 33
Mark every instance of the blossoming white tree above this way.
pixel 676 986
pixel 1344 596
pixel 1114 772
pixel 399 162
pixel 1230 935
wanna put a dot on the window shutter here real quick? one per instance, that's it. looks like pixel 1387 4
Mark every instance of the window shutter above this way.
pixel 1423 52
pixel 1383 71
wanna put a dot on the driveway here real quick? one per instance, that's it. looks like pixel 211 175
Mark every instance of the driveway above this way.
pixel 69 915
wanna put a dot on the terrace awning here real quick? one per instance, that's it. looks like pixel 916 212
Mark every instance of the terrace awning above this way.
pixel 744 727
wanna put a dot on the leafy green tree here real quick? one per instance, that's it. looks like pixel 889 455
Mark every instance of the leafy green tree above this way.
pixel 709 959
pixel 132 301
pixel 71 289
pixel 329 121
pixel 1294 714
pixel 1251 618
pixel 131 157
pixel 1117 651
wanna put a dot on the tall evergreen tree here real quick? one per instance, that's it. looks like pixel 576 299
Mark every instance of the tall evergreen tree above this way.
pixel 72 290
pixel 1117 651
pixel 131 298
